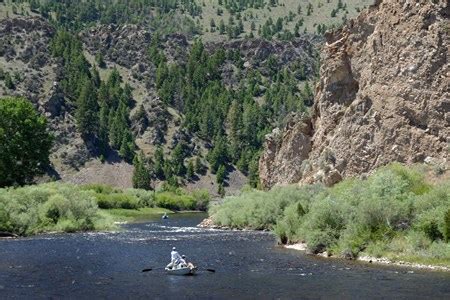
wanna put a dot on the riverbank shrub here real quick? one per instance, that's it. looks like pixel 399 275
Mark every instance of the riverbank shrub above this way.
pixel 117 200
pixel 48 207
pixel 179 199
pixel 64 207
pixel 261 210
pixel 395 211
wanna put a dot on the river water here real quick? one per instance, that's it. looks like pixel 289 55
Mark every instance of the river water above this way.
pixel 248 266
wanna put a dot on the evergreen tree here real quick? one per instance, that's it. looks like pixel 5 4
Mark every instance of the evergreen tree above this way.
pixel 141 174
pixel 86 113
pixel 253 172
pixel 9 83
pixel 178 160
pixel 219 155
pixel 198 165
pixel 100 61
pixel 127 147
pixel 159 163
pixel 222 27
pixel 220 175
pixel 103 134
pixel 221 190
pixel 190 170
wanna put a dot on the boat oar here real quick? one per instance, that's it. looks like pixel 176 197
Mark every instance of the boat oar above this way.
pixel 151 269
pixel 211 270
pixel 147 270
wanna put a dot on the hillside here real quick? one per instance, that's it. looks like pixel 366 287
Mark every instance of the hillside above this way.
pixel 208 105
pixel 213 20
pixel 382 97
pixel 253 74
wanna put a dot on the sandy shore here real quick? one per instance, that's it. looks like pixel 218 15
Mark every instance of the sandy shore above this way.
pixel 376 260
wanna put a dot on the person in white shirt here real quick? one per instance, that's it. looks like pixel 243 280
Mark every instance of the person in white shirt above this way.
pixel 175 259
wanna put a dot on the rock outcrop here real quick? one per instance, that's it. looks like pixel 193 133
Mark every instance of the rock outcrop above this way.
pixel 383 96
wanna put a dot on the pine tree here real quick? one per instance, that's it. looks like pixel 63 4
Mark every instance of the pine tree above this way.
pixel 221 190
pixel 198 167
pixel 159 163
pixel 168 170
pixel 178 160
pixel 219 155
pixel 100 61
pixel 86 112
pixel 253 173
pixel 220 175
pixel 103 128
pixel 190 170
pixel 9 82
pixel 222 27
pixel 141 175
pixel 127 147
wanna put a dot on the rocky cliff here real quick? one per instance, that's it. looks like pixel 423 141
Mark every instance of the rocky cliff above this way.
pixel 383 96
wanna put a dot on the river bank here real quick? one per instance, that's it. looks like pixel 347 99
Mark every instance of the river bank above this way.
pixel 371 259
pixel 60 207
pixel 396 213
pixel 303 247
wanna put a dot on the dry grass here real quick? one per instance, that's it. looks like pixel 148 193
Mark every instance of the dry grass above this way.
pixel 320 15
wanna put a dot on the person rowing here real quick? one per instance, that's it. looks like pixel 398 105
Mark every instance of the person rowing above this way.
pixel 185 264
pixel 175 259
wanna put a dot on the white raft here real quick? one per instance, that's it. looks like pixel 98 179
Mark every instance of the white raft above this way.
pixel 182 271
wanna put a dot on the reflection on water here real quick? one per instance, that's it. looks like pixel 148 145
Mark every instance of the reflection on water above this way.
pixel 248 265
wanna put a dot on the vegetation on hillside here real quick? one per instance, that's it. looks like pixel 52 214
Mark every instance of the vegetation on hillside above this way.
pixel 101 108
pixel 213 19
pixel 393 213
pixel 229 117
pixel 232 118
pixel 25 142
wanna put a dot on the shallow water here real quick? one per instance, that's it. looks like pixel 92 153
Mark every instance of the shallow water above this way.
pixel 248 265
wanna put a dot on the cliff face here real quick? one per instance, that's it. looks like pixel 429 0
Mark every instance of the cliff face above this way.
pixel 383 96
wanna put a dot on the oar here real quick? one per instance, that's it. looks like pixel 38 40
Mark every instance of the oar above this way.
pixel 211 270
pixel 147 270
pixel 151 269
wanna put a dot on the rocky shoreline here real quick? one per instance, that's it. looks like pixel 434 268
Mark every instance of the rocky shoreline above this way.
pixel 7 235
pixel 375 260
pixel 208 223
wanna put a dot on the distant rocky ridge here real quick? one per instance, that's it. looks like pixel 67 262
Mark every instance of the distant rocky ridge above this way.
pixel 383 96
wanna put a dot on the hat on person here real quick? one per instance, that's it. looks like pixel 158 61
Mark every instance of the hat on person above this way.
pixel 174 248
pixel 183 256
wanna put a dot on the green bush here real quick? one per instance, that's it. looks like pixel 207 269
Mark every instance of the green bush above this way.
pixel 100 188
pixel 394 210
pixel 171 200
pixel 178 199
pixel 47 207
pixel 261 210
pixel 202 199
pixel 117 200
pixel 146 198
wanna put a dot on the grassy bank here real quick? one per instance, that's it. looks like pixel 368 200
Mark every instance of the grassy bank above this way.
pixel 129 215
pixel 394 213
pixel 59 207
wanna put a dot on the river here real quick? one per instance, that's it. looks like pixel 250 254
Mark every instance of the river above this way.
pixel 248 265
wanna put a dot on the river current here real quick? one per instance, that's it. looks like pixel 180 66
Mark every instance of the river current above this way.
pixel 248 265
